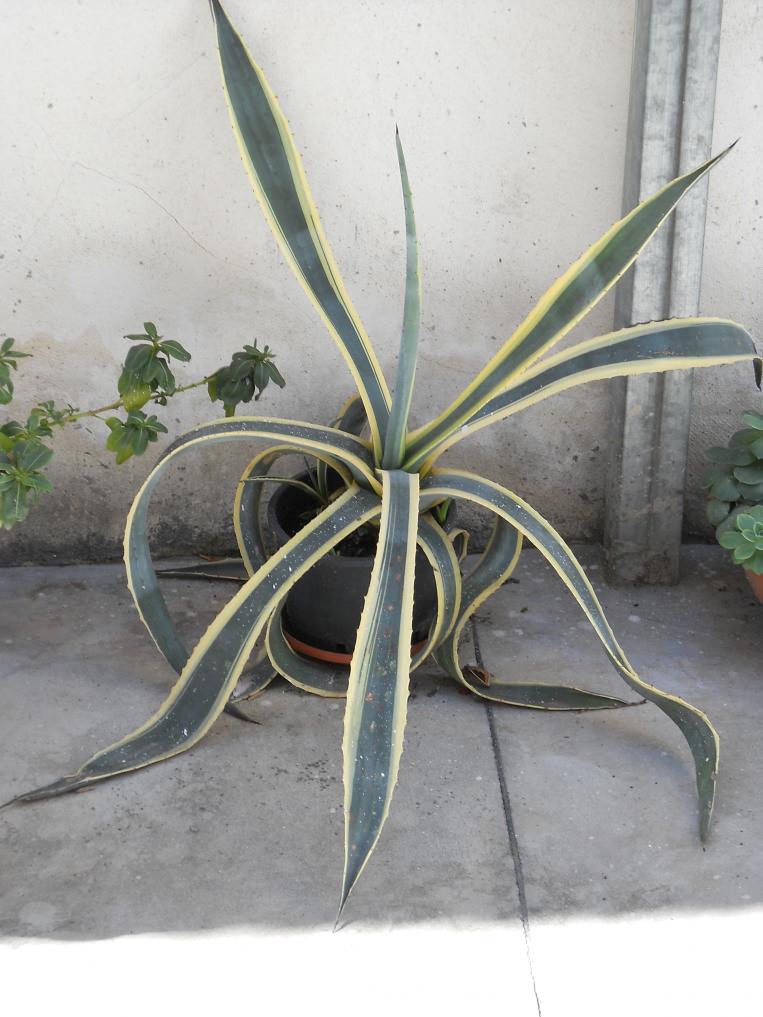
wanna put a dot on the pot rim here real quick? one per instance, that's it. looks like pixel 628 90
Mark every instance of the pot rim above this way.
pixel 281 536
pixel 331 656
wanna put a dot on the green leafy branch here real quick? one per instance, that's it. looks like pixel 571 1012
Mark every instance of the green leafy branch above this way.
pixel 146 377
pixel 246 377
pixel 131 436
pixel 21 477
pixel 8 358
pixel 146 373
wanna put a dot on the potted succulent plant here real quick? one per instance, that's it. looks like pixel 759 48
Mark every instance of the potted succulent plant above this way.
pixel 735 497
pixel 394 480
pixel 322 611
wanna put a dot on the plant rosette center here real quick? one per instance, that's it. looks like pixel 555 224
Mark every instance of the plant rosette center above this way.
pixel 745 540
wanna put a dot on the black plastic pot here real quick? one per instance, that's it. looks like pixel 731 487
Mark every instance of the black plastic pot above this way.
pixel 323 608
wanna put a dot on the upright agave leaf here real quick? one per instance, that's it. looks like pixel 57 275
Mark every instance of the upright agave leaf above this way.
pixel 397 429
pixel 279 181
pixel 560 308
pixel 676 344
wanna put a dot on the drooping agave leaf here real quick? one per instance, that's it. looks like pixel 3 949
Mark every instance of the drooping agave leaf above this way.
pixel 331 680
pixel 460 540
pixel 224 569
pixel 287 481
pixel 560 308
pixel 342 449
pixel 311 676
pixel 696 728
pixel 247 516
pixel 352 417
pixel 322 679
pixel 347 450
pixel 259 673
pixel 378 690
pixel 443 557
pixel 492 570
pixel 677 344
pixel 216 663
pixel 315 676
pixel 397 428
pixel 279 181
pixel 255 679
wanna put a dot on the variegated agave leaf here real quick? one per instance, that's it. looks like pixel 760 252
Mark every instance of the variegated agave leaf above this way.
pixel 494 567
pixel 215 665
pixel 694 725
pixel 677 344
pixel 378 687
pixel 275 170
pixel 565 303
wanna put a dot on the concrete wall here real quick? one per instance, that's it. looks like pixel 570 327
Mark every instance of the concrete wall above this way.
pixel 732 280
pixel 123 198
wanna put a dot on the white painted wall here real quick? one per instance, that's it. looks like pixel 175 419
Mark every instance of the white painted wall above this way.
pixel 732 278
pixel 123 198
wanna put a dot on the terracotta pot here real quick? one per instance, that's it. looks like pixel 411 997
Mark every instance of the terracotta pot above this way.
pixel 756 582
pixel 329 656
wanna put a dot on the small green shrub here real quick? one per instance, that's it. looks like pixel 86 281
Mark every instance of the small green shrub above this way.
pixel 145 377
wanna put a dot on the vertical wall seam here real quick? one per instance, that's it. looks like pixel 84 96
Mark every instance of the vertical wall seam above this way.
pixel 516 856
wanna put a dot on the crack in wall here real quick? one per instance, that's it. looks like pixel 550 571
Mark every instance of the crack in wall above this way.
pixel 164 87
pixel 114 180
pixel 137 187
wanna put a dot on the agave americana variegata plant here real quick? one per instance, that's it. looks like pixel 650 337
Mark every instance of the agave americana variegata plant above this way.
pixel 395 479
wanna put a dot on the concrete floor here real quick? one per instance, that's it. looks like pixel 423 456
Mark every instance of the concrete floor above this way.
pixel 532 863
